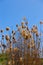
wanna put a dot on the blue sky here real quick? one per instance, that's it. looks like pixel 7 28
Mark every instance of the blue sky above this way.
pixel 12 12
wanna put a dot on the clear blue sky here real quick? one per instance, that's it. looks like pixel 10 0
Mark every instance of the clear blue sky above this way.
pixel 12 11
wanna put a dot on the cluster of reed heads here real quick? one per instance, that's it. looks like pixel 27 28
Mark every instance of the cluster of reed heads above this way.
pixel 22 47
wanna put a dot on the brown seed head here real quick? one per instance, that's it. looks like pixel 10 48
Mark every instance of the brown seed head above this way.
pixel 1 31
pixel 7 37
pixel 7 28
